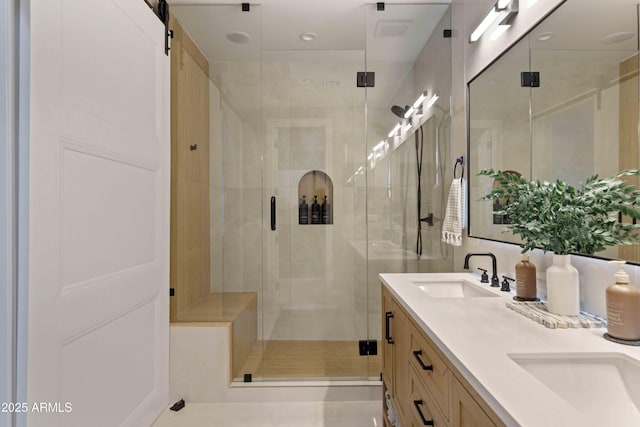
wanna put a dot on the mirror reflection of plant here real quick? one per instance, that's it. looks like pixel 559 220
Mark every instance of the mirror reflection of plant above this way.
pixel 557 217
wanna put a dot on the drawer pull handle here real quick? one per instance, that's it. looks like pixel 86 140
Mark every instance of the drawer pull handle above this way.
pixel 425 421
pixel 387 327
pixel 417 354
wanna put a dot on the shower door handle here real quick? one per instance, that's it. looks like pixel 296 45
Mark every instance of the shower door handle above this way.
pixel 273 212
pixel 387 327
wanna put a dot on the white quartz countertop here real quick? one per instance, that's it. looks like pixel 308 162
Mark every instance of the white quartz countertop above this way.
pixel 479 334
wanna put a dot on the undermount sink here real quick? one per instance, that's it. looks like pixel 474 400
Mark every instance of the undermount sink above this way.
pixel 605 386
pixel 454 288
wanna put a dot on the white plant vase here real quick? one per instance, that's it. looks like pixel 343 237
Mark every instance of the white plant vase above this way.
pixel 563 290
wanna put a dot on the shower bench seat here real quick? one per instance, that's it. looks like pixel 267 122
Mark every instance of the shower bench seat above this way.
pixel 235 310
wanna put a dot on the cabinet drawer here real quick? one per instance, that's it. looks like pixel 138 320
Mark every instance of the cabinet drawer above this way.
pixel 430 369
pixel 424 411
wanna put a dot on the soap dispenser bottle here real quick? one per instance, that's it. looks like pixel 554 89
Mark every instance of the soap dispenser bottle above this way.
pixel 623 307
pixel 315 211
pixel 324 209
pixel 303 211
pixel 526 289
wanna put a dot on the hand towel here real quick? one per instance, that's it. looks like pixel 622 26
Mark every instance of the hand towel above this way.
pixel 391 413
pixel 453 217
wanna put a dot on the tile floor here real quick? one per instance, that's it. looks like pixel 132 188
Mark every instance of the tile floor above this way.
pixel 272 414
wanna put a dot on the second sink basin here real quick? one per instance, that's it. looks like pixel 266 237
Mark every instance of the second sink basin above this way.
pixel 605 386
pixel 454 288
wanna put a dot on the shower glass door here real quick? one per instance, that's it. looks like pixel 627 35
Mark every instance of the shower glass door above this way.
pixel 314 301
pixel 409 160
pixel 288 123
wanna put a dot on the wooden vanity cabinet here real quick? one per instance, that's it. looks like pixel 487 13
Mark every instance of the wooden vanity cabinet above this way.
pixel 395 368
pixel 422 406
pixel 426 388
pixel 467 412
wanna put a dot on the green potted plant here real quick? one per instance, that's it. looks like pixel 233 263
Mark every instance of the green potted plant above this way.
pixel 557 217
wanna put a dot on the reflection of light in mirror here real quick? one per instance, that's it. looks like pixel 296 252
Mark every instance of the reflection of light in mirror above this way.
pixel 308 37
pixel 394 131
pixel 432 101
pixel 409 112
pixel 420 100
pixel 416 108
pixel 238 37
pixel 545 36
pixel 617 37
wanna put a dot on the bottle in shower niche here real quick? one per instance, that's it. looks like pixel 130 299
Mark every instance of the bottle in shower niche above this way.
pixel 324 211
pixel 303 211
pixel 526 289
pixel 315 211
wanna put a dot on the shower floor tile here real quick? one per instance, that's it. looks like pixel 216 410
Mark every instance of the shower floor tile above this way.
pixel 272 414
pixel 311 359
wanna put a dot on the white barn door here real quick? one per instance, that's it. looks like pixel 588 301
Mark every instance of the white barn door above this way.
pixel 98 214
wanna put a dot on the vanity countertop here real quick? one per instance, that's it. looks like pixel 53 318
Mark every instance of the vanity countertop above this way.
pixel 479 334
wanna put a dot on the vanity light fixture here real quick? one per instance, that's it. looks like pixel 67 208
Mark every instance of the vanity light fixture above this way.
pixel 503 12
pixel 498 31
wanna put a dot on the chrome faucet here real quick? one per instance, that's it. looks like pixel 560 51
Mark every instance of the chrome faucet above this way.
pixel 494 276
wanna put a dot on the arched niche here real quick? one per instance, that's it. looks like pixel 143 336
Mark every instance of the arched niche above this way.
pixel 316 183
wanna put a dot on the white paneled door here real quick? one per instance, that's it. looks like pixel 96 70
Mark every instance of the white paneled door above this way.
pixel 98 214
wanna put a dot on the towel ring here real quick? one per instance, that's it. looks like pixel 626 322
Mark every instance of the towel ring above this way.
pixel 459 161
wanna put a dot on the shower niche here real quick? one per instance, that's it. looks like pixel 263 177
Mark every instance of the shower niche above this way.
pixel 315 199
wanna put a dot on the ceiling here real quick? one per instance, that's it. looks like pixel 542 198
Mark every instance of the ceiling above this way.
pixel 319 73
pixel 339 24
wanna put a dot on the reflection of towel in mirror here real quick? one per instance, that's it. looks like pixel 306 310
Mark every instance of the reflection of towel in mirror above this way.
pixel 453 217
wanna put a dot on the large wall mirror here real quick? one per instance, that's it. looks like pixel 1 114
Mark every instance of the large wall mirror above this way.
pixel 581 120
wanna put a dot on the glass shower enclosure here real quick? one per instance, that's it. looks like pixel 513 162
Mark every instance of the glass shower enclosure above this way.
pixel 310 197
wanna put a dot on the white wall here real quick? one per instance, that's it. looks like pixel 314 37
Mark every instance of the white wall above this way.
pixel 7 282
pixel 595 275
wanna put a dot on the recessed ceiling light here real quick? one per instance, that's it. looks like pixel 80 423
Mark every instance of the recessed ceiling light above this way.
pixel 238 37
pixel 545 36
pixel 308 37
pixel 617 37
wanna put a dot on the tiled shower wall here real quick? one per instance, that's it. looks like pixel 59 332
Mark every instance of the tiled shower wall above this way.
pixel 314 282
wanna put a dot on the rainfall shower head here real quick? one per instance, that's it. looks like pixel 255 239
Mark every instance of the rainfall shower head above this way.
pixel 399 111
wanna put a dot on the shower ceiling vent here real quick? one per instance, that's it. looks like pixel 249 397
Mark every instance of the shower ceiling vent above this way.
pixel 392 28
